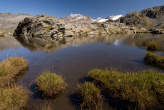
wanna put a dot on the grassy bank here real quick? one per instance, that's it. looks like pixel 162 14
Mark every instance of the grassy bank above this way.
pixel 154 60
pixel 142 91
pixel 10 69
pixel 50 84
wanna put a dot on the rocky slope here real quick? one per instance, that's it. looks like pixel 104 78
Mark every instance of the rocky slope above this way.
pixel 44 29
pixel 151 19
pixel 8 23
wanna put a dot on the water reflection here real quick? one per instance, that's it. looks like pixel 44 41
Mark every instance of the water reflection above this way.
pixel 76 57
pixel 140 40
pixel 50 46
pixel 116 42
pixel 8 42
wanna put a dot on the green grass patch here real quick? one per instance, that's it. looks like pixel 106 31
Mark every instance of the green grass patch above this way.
pixel 13 98
pixel 152 46
pixel 10 69
pixel 154 59
pixel 91 96
pixel 50 84
pixel 46 107
pixel 144 89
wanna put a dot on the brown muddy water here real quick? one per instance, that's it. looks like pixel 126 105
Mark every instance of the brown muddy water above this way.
pixel 74 60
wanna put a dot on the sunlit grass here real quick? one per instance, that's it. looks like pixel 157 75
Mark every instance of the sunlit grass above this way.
pixel 152 46
pixel 50 84
pixel 91 96
pixel 46 107
pixel 154 59
pixel 145 89
pixel 13 98
pixel 10 69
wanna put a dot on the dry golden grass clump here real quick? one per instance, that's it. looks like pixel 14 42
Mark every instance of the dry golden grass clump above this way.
pixel 13 98
pixel 10 69
pixel 144 89
pixel 152 46
pixel 91 96
pixel 50 84
pixel 46 107
pixel 154 60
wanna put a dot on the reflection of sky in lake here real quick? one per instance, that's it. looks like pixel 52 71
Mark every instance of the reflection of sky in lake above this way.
pixel 116 42
pixel 74 62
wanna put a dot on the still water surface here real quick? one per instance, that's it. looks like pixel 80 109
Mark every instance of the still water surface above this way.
pixel 73 61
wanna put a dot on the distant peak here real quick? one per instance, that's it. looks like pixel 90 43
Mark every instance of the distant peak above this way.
pixel 75 15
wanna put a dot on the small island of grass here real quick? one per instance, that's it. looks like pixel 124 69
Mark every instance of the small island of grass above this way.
pixel 152 46
pixel 50 84
pixel 91 96
pixel 10 69
pixel 154 60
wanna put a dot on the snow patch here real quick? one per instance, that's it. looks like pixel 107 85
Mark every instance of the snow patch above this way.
pixel 100 20
pixel 114 18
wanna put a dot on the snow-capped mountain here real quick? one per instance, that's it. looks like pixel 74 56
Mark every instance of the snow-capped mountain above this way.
pixel 114 18
pixel 81 18
pixel 77 16
pixel 100 20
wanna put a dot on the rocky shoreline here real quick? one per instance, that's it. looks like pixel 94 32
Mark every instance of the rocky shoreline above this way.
pixel 44 29
pixel 56 29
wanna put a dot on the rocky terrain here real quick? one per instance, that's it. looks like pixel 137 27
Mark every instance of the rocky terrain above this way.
pixel 151 19
pixel 44 29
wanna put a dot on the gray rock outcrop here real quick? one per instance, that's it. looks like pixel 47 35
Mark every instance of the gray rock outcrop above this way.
pixel 49 28
pixel 148 18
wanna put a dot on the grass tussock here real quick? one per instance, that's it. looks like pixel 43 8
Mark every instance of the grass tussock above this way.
pixel 145 89
pixel 91 96
pixel 154 60
pixel 46 107
pixel 10 68
pixel 152 46
pixel 50 84
pixel 13 98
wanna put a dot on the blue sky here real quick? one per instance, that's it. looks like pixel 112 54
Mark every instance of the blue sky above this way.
pixel 61 8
